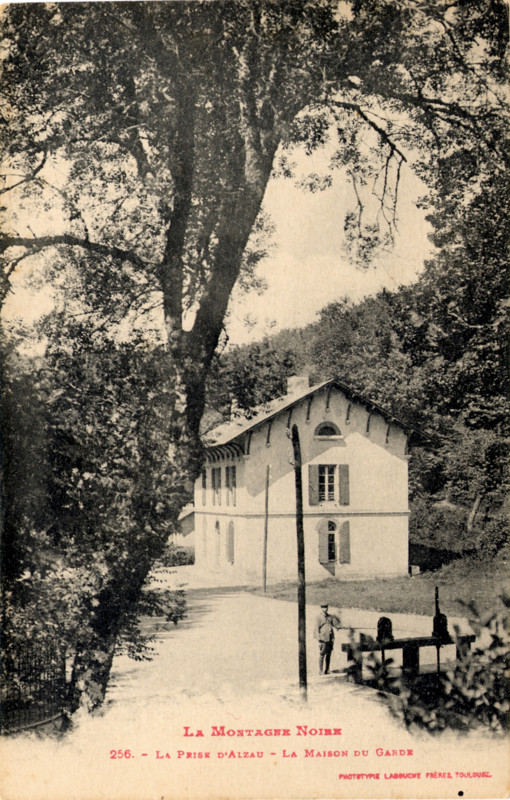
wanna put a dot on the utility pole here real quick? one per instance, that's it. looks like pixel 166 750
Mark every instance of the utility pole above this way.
pixel 266 524
pixel 300 562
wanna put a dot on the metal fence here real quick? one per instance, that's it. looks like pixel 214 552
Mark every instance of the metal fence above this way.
pixel 33 687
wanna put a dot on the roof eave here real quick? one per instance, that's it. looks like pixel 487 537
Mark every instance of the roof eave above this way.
pixel 350 393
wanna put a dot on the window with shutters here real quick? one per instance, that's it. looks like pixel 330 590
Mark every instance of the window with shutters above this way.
pixel 230 484
pixel 216 485
pixel 325 486
pixel 328 544
pixel 334 542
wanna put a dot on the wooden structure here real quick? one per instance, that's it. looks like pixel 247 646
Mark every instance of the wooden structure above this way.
pixel 410 650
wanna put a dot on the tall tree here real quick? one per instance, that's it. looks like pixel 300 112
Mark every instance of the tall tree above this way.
pixel 148 133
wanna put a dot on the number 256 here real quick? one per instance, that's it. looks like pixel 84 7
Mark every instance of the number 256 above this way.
pixel 121 754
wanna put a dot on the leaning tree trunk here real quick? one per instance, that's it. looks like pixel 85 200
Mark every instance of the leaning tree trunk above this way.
pixel 96 647
pixel 91 672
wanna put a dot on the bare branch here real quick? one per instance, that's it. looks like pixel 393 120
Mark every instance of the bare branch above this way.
pixel 470 324
pixel 113 214
pixel 395 196
pixel 452 113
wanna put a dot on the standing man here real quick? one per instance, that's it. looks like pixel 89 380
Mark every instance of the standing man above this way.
pixel 325 634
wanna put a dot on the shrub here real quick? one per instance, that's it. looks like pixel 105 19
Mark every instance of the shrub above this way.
pixel 174 556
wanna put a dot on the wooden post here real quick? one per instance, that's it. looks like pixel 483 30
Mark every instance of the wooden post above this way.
pixel 266 520
pixel 300 562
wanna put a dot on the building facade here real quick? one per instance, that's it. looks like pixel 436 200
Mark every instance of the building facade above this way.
pixel 355 490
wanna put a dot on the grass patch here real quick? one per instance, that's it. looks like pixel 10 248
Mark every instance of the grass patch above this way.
pixel 469 580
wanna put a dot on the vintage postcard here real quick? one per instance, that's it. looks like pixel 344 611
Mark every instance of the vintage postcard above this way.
pixel 254 400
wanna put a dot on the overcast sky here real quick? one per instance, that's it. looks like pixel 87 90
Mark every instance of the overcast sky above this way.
pixel 307 267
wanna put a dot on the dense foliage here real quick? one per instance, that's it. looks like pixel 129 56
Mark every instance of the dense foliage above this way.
pixel 92 417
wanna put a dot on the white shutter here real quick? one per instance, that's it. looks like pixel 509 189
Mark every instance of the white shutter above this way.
pixel 323 545
pixel 343 487
pixel 345 543
pixel 313 484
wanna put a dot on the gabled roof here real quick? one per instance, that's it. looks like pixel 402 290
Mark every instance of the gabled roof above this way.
pixel 234 429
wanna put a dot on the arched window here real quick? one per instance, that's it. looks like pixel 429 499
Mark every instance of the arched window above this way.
pixel 334 542
pixel 331 541
pixel 327 430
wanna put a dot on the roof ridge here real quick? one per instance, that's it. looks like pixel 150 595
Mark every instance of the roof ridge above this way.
pixel 262 413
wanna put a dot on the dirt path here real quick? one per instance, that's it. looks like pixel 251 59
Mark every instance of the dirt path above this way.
pixel 230 666
pixel 232 645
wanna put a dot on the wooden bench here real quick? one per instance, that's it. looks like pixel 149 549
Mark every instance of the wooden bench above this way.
pixel 410 650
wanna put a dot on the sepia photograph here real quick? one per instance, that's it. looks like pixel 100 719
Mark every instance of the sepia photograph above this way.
pixel 254 400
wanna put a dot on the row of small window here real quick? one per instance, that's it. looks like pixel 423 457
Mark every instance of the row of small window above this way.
pixel 328 482
pixel 229 496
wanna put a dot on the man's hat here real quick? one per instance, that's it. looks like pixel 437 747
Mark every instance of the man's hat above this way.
pixel 324 605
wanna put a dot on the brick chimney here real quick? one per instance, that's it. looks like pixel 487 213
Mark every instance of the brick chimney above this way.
pixel 297 384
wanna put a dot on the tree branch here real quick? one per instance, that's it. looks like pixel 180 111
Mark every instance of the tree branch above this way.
pixel 27 178
pixel 382 133
pixel 453 114
pixel 42 242
pixel 5 275
pixel 473 68
pixel 250 123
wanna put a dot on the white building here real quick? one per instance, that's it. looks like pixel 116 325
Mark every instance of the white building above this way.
pixel 355 490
